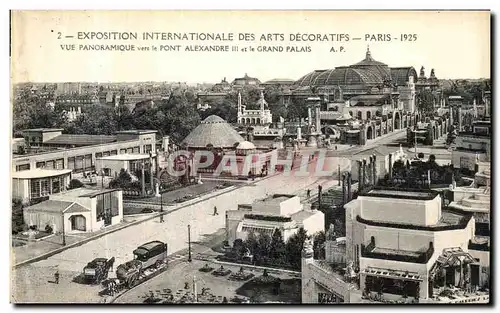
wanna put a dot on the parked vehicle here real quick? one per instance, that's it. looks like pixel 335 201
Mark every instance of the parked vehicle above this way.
pixel 97 270
pixel 151 255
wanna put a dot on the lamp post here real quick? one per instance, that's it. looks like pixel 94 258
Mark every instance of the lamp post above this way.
pixel 189 243
pixel 339 174
pixel 63 233
pixel 161 208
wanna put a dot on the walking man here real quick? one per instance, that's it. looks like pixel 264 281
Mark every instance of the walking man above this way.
pixel 56 276
pixel 215 211
pixel 308 193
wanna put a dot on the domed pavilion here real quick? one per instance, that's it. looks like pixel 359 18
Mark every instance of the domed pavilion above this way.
pixel 359 78
pixel 213 132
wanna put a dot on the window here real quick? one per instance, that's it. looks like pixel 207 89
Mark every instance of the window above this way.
pixel 107 202
pixel 148 148
pixel 114 152
pixel 123 151
pixel 35 189
pixel 130 150
pixel 60 164
pixel 368 115
pixel 114 204
pixel 23 167
pixel 105 154
pixel 88 162
pixel 98 155
pixel 50 164
pixel 136 150
pixel 99 208
pixel 79 163
pixel 40 164
pixel 71 163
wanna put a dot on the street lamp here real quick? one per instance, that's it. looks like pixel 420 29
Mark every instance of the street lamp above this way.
pixel 161 208
pixel 339 175
pixel 63 234
pixel 189 243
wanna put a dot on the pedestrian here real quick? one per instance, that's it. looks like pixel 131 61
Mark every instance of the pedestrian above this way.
pixel 56 276
pixel 215 211
pixel 308 193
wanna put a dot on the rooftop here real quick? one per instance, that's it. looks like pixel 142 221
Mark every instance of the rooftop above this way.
pixel 277 198
pixel 126 157
pixel 45 130
pixel 81 140
pixel 303 215
pixel 56 206
pixel 414 194
pixel 136 132
pixel 83 192
pixel 39 173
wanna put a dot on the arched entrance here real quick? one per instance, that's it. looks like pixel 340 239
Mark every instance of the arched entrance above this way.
pixel 397 121
pixel 78 222
pixel 369 133
pixel 258 120
pixel 329 130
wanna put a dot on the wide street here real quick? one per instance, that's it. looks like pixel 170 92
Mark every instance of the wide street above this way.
pixel 120 244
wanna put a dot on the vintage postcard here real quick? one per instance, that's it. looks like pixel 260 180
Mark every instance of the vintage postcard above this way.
pixel 250 157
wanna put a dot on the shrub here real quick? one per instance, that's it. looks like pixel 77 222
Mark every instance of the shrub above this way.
pixel 75 183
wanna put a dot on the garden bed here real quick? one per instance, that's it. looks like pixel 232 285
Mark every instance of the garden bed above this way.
pixel 38 236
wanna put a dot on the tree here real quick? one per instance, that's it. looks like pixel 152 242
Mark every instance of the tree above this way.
pixel 17 216
pixel 277 248
pixel 100 120
pixel 264 243
pixel 226 110
pixel 294 247
pixel 122 181
pixel 75 183
pixel 319 245
pixel 297 108
pixel 252 243
pixel 426 100
pixel 181 117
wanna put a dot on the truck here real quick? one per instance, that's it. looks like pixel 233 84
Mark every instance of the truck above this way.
pixel 97 270
pixel 149 259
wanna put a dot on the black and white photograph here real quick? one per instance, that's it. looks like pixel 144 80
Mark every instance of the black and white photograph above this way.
pixel 250 157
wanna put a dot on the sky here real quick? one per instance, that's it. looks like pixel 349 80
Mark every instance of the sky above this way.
pixel 454 43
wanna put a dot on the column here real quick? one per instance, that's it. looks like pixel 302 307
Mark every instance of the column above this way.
pixel 318 120
pixel 369 170
pixel 374 168
pixel 349 183
pixel 309 116
pixel 364 172
pixel 360 175
pixel 390 166
pixel 460 119
pixel 344 189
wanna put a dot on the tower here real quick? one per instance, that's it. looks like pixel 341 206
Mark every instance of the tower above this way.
pixel 240 111
pixel 262 101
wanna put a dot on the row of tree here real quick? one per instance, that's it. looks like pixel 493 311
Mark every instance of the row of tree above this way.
pixel 175 116
pixel 274 251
